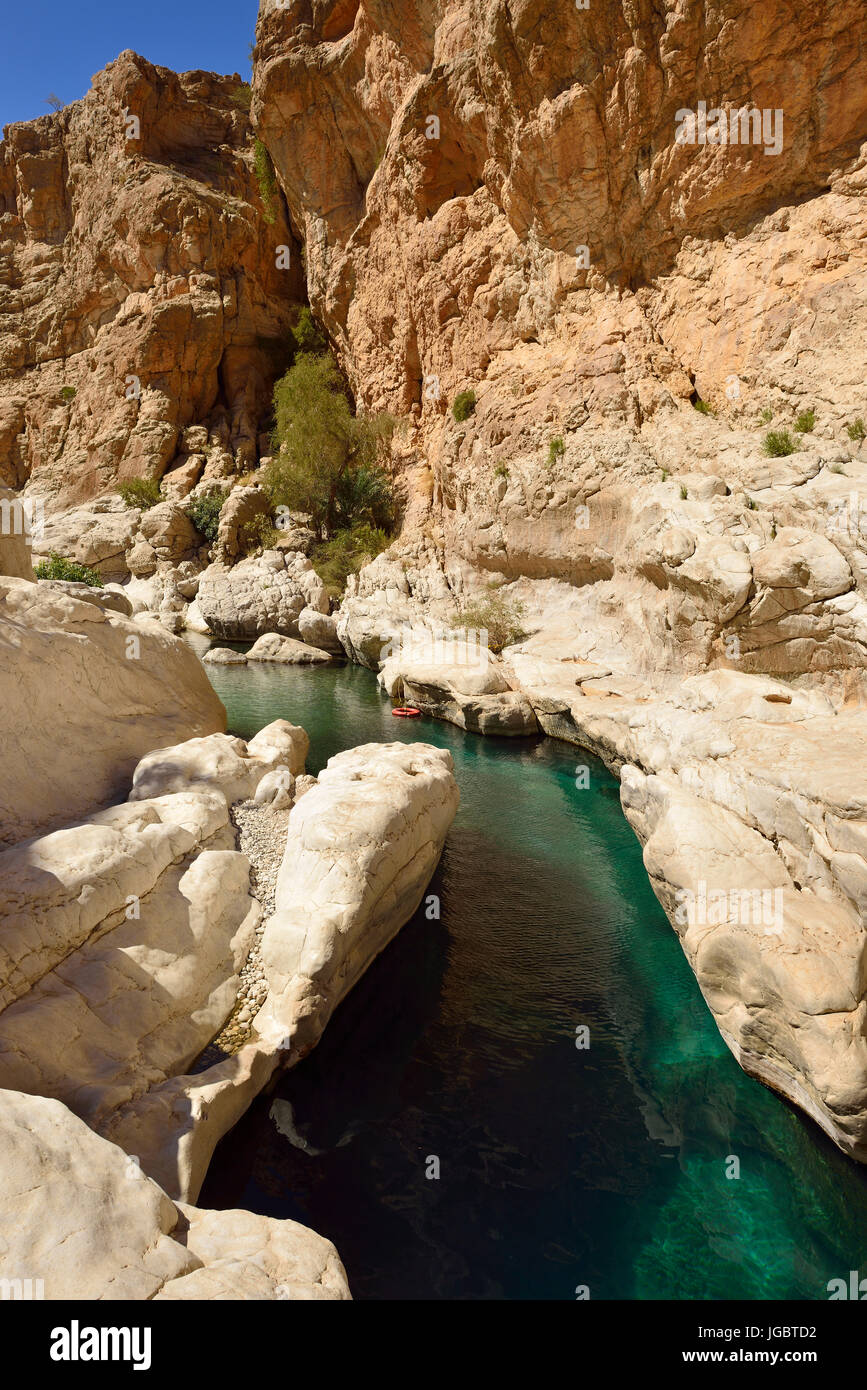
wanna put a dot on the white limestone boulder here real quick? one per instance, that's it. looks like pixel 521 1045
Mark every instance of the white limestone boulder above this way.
pixel 360 850
pixel 221 763
pixel 82 1222
pixel 266 593
pixel 116 689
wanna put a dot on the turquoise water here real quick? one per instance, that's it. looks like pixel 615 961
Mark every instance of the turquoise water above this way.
pixel 559 1167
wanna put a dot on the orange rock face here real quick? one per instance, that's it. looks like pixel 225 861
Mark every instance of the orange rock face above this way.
pixel 464 172
pixel 143 312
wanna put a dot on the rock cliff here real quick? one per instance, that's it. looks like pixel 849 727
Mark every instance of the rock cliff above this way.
pixel 144 300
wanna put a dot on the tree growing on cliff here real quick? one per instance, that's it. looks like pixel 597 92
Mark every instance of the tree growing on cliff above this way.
pixel 328 461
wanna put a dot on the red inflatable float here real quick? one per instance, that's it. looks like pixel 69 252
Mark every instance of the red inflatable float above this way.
pixel 406 712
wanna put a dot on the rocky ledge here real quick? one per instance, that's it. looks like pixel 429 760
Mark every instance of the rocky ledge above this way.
pixel 149 985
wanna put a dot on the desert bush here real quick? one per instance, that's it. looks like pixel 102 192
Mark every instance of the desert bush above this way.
pixel 777 444
pixel 259 533
pixel 204 512
pixel 140 492
pixel 856 430
pixel 464 405
pixel 556 450
pixel 495 614
pixel 67 393
pixel 267 181
pixel 57 567
pixel 306 334
pixel 805 420
pixel 345 553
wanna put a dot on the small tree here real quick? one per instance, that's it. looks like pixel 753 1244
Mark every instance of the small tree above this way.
pixel 267 181
pixel 327 463
pixel 464 405
pixel 306 335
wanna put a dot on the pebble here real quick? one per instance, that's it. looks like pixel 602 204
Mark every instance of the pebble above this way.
pixel 260 833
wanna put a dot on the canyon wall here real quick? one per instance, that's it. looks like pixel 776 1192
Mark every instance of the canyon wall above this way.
pixel 143 313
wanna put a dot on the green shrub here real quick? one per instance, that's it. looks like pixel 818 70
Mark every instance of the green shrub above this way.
pixel 204 513
pixel 777 444
pixel 683 492
pixel 267 181
pixel 327 461
pixel 501 471
pixel 837 468
pixel 464 405
pixel 495 614
pixel 306 335
pixel 242 97
pixel 56 567
pixel 345 553
pixel 556 449
pixel 702 407
pixel 766 415
pixel 140 492
pixel 805 421
pixel 67 393
pixel 856 430
pixel 259 532
pixel 665 475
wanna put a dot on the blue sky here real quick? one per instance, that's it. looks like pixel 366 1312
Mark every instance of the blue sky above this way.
pixel 57 45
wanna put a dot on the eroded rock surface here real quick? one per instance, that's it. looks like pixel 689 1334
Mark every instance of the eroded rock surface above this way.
pixel 82 1221
pixel 142 304
pixel 86 693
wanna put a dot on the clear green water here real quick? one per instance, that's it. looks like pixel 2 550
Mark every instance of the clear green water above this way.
pixel 559 1167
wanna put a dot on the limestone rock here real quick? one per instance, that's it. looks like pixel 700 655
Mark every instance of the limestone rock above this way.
pixel 361 848
pixel 266 593
pixel 292 1262
pixel 286 650
pixel 240 509
pixel 319 630
pixel 220 762
pixel 110 599
pixel 224 656
pixel 117 689
pixel 474 695
pixel 77 1212
pixel 80 1216
pixel 169 531
pixel 115 355
pixel 15 537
